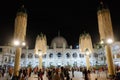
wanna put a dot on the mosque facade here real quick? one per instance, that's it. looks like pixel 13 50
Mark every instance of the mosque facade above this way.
pixel 57 54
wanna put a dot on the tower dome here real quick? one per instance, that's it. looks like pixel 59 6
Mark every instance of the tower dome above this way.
pixel 59 42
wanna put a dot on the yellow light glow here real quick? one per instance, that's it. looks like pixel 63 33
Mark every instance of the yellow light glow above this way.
pixel 101 42
pixel 87 53
pixel 23 43
pixel 16 43
pixel 109 41
pixel 39 52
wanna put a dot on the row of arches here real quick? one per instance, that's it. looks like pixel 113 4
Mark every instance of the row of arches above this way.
pixel 51 55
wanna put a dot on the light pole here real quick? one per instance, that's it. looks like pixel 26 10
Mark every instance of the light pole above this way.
pixel 87 58
pixel 40 58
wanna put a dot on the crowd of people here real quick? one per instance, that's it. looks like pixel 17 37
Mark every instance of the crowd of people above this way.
pixel 58 73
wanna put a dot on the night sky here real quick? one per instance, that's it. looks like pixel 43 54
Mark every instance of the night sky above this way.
pixel 70 18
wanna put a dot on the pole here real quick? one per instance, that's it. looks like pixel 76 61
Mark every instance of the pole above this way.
pixel 17 61
pixel 109 57
pixel 87 62
pixel 40 61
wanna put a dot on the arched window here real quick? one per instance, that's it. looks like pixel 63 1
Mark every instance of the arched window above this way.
pixel 22 55
pixel 44 56
pixel 68 55
pixel 80 55
pixel 36 56
pixel 5 59
pixel 95 55
pixel 59 55
pixel 30 55
pixel 74 55
pixel 10 51
pixel 51 55
pixel 43 63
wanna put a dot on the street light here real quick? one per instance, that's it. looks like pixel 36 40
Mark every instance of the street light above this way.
pixel 18 43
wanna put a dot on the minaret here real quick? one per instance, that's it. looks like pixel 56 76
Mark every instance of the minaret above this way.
pixel 20 24
pixel 106 32
pixel 85 44
pixel 19 35
pixel 41 47
pixel 104 22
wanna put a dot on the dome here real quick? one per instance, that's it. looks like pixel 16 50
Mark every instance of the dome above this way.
pixel 59 42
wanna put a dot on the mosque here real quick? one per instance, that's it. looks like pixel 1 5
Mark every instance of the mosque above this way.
pixel 59 53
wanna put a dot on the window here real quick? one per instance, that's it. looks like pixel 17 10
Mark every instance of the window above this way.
pixel 0 49
pixel 10 51
pixel 30 55
pixel 80 55
pixel 68 55
pixel 6 59
pixel 95 55
pixel 102 58
pixel 74 55
pixel 51 55
pixel 44 56
pixel 59 54
pixel 22 55
pixel 36 56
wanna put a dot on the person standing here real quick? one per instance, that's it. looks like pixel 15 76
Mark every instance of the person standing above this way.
pixel 85 72
pixel 72 72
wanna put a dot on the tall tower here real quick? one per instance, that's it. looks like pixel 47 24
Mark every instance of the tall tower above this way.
pixel 19 36
pixel 104 22
pixel 106 33
pixel 20 24
pixel 41 47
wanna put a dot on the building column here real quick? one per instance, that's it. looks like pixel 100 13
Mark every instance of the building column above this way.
pixel 109 57
pixel 17 61
pixel 40 61
pixel 26 57
pixel 115 56
pixel 87 62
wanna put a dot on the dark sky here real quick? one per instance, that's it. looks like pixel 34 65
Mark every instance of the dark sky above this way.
pixel 70 18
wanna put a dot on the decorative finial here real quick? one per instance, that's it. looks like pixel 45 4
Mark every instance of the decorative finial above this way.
pixel 101 2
